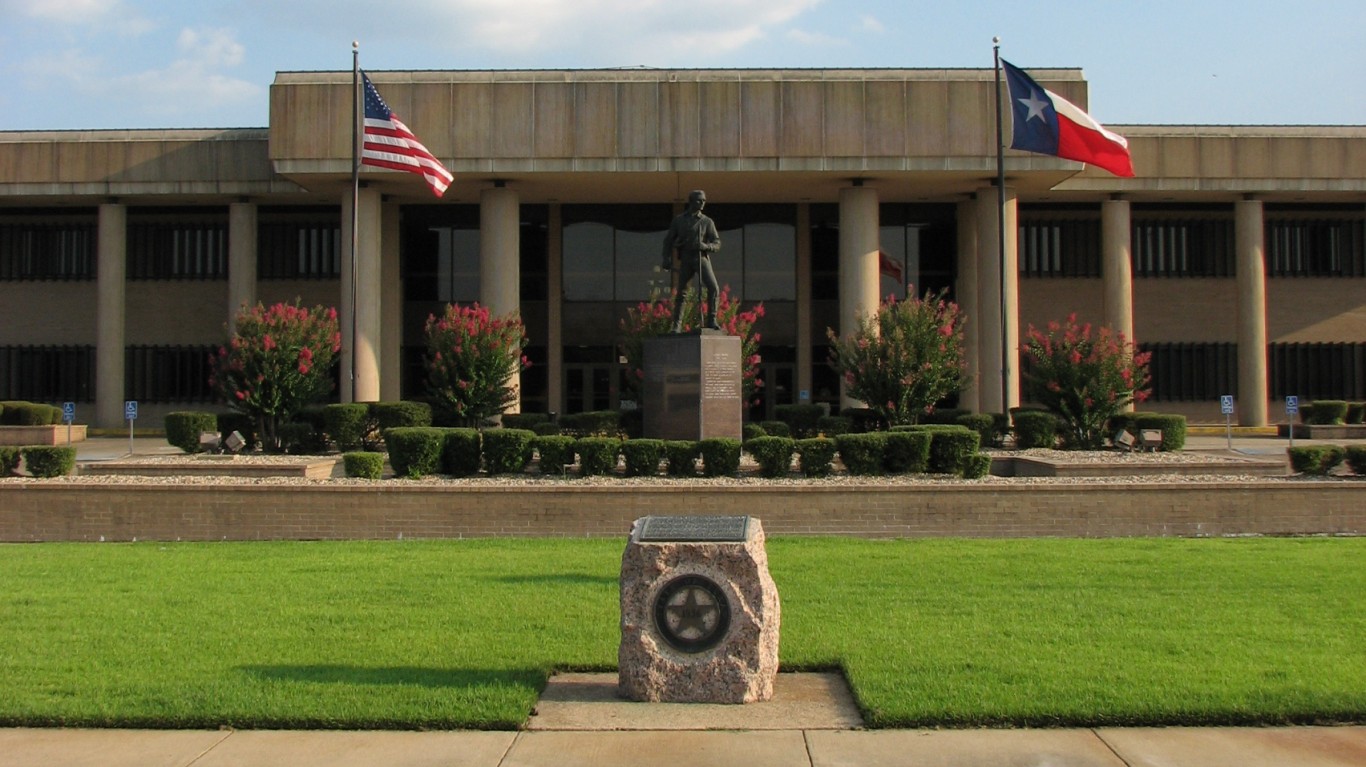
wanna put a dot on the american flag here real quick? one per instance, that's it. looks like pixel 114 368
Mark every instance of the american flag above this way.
pixel 389 144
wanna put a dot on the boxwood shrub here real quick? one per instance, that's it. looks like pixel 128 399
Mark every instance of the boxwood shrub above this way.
pixel 363 465
pixel 1356 412
pixel 950 446
pixel 1356 459
pixel 526 421
pixel 1035 428
pixel 555 451
pixel 680 456
pixel 1315 460
pixel 720 456
pixel 597 455
pixel 833 425
pixel 461 451
pixel 21 413
pixel 9 460
pixel 906 452
pixel 976 466
pixel 507 451
pixel 944 416
pixel 815 456
pixel 642 456
pixel 594 423
pixel 752 431
pixel 800 419
pixel 347 424
pixel 183 428
pixel 49 460
pixel 1327 412
pixel 391 415
pixel 773 454
pixel 1173 428
pixel 863 454
pixel 982 423
pixel 776 428
pixel 414 451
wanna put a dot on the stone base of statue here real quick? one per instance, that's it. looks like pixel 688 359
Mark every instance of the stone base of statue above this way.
pixel 699 618
pixel 692 388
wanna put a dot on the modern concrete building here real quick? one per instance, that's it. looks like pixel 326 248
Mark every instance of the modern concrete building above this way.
pixel 1237 254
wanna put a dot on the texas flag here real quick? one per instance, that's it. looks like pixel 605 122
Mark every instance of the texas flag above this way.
pixel 1047 123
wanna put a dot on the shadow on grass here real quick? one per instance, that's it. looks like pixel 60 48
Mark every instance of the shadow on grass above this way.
pixel 400 675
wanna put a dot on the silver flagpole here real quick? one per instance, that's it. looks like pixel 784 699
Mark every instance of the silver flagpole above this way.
pixel 355 199
pixel 1001 230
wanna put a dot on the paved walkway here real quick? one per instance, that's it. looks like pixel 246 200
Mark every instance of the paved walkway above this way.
pixel 1108 747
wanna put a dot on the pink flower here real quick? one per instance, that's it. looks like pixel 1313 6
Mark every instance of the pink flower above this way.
pixel 303 368
pixel 241 395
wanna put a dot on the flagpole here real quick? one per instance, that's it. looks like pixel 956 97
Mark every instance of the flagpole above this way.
pixel 1001 229
pixel 355 199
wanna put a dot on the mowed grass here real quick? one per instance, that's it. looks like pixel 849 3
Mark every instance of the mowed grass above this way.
pixel 462 634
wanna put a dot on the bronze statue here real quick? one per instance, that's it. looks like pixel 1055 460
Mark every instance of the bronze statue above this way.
pixel 694 236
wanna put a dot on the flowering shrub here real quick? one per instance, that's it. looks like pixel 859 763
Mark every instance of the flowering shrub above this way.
pixel 279 360
pixel 903 359
pixel 1083 377
pixel 655 318
pixel 471 359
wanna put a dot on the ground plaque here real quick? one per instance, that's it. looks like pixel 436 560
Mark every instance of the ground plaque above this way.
pixel 699 611
pixel 692 387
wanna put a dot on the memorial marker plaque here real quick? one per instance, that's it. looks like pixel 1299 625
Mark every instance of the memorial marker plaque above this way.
pixel 694 528
pixel 692 386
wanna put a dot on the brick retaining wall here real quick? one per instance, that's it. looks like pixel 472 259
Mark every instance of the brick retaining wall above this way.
pixel 68 512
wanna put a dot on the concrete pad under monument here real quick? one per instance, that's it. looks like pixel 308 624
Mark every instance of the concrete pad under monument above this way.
pixel 692 388
pixel 699 612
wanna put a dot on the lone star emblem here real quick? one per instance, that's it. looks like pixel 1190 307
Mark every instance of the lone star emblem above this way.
pixel 692 613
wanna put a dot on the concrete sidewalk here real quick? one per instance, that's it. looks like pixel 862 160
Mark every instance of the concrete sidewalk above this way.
pixel 1107 747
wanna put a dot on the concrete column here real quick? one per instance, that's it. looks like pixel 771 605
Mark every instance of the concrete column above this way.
pixel 112 267
pixel 500 272
pixel 555 309
pixel 241 259
pixel 360 307
pixel 998 290
pixel 1250 242
pixel 965 291
pixel 804 329
pixel 1116 266
pixel 859 276
pixel 391 307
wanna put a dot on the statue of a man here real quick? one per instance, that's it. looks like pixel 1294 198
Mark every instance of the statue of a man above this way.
pixel 694 236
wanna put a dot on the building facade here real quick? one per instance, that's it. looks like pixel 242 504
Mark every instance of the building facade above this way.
pixel 1237 254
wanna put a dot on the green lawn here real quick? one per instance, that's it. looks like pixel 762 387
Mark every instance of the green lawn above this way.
pixel 461 634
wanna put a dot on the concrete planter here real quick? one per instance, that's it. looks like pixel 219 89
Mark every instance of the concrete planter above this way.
pixel 16 436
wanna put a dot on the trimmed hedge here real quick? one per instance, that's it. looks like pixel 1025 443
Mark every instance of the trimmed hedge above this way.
pixel 1327 412
pixel 906 452
pixel 1315 460
pixel 815 456
pixel 9 460
pixel 546 429
pixel 23 413
pixel 1034 428
pixel 461 451
pixel 950 447
pixel 597 455
pixel 415 451
pixel 347 424
pixel 363 465
pixel 642 456
pixel 982 423
pixel 834 425
pixel 526 421
pixel 752 431
pixel 773 454
pixel 393 415
pixel 1356 459
pixel 556 451
pixel 680 456
pixel 1356 412
pixel 507 451
pixel 594 423
pixel 776 428
pixel 184 427
pixel 48 461
pixel 863 454
pixel 800 419
pixel 943 416
pixel 1173 428
pixel 864 419
pixel 976 466
pixel 720 456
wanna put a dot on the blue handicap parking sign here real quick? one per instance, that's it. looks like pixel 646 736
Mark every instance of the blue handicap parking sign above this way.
pixel 1226 404
pixel 68 412
pixel 130 410
pixel 1292 404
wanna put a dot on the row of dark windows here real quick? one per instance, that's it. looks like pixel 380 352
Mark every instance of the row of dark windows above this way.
pixel 1181 372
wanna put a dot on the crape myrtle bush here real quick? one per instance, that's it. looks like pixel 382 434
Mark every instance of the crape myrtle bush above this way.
pixel 815 455
pixel 414 451
pixel 680 456
pixel 461 451
pixel 720 456
pixel 597 455
pixel 556 451
pixel 862 454
pixel 1356 459
pixel 471 359
pixel 363 465
pixel 773 454
pixel 642 456
pixel 48 461
pixel 507 451
pixel 183 428
pixel 801 420
pixel 906 452
pixel 1315 460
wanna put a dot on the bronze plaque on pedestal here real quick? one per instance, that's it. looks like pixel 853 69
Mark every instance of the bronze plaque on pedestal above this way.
pixel 692 388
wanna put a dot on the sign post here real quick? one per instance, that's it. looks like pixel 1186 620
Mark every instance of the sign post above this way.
pixel 130 414
pixel 1226 407
pixel 1292 409
pixel 68 417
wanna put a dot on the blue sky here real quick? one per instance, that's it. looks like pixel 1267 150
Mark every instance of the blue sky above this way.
pixel 72 64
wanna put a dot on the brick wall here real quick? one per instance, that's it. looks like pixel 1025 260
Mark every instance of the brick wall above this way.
pixel 65 512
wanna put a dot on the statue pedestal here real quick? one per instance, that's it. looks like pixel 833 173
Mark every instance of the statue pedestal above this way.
pixel 692 388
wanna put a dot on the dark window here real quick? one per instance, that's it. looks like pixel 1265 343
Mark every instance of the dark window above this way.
pixel 1182 242
pixel 440 254
pixel 1059 242
pixel 1307 243
pixel 47 373
pixel 1183 372
pixel 180 246
pixel 611 252
pixel 920 242
pixel 46 247
pixel 168 373
pixel 1317 370
pixel 298 244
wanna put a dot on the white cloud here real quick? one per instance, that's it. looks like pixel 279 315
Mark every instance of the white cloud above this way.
pixel 802 37
pixel 211 47
pixel 79 11
pixel 871 24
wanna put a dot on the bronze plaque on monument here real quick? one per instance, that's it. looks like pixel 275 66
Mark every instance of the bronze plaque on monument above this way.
pixel 694 528
pixel 692 388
